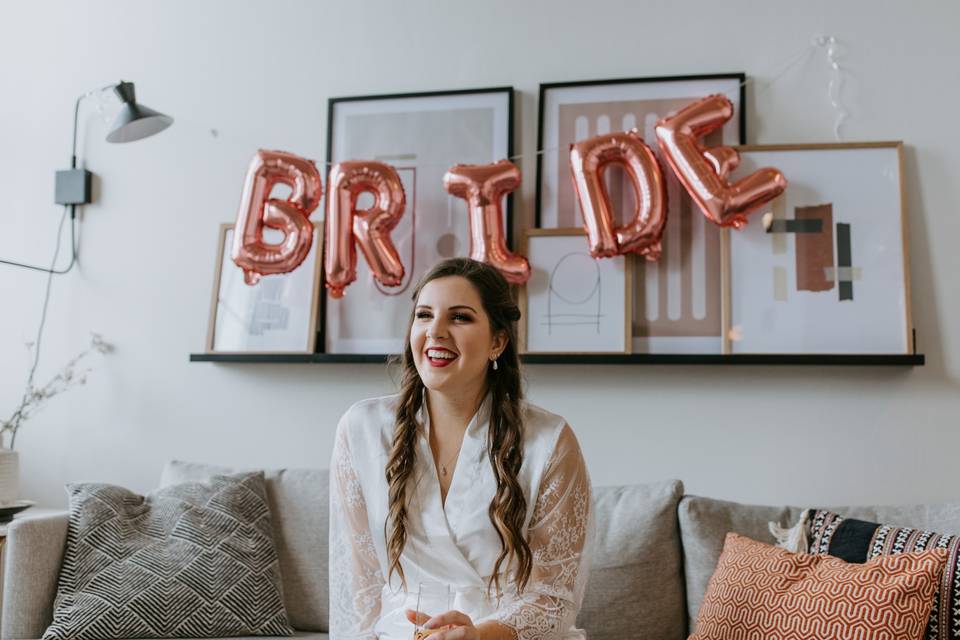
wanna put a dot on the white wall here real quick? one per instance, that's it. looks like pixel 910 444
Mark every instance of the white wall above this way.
pixel 260 74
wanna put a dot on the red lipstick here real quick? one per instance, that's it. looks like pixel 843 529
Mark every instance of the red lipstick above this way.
pixel 440 357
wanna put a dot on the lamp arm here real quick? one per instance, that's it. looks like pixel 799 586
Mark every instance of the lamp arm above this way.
pixel 76 116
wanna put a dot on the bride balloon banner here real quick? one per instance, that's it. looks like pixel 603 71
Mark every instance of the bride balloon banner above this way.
pixel 704 173
pixel 291 216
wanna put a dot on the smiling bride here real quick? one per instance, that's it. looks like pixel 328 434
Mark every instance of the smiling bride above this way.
pixel 457 480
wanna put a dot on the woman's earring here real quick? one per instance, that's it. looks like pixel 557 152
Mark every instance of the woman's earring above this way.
pixel 494 364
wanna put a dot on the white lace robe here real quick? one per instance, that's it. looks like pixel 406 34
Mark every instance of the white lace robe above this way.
pixel 455 543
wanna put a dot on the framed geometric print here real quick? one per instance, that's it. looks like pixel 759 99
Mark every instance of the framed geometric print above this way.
pixel 421 135
pixel 676 300
pixel 823 269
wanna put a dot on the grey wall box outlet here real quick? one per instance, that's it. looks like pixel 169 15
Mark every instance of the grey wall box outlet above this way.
pixel 73 186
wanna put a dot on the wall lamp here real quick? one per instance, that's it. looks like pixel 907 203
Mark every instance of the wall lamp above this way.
pixel 73 186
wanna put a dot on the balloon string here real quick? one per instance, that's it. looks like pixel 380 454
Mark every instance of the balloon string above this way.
pixel 829 44
pixel 837 79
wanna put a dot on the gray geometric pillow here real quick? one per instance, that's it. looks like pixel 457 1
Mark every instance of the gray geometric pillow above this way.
pixel 189 561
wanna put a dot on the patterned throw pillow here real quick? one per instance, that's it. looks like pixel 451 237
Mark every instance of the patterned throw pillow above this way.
pixel 760 592
pixel 192 560
pixel 860 541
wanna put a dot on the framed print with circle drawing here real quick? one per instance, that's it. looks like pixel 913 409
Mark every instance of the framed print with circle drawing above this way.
pixel 276 315
pixel 676 300
pixel 422 135
pixel 572 302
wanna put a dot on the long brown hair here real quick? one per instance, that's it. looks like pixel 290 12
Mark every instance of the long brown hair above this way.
pixel 505 434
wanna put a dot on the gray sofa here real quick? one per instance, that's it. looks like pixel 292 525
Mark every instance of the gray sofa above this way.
pixel 655 552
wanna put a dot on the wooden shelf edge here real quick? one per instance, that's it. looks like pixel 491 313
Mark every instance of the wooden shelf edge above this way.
pixel 731 359
pixel 901 360
pixel 289 358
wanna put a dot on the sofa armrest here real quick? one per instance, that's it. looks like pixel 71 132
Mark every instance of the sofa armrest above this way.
pixel 33 553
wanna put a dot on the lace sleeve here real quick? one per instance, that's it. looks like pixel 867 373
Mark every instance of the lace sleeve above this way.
pixel 355 576
pixel 559 537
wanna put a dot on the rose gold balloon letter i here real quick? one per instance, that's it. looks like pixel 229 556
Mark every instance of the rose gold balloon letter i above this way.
pixel 483 186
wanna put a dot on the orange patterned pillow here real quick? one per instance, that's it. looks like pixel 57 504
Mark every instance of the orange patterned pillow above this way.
pixel 759 592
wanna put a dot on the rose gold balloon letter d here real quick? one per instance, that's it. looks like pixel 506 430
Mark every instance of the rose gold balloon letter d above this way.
pixel 589 160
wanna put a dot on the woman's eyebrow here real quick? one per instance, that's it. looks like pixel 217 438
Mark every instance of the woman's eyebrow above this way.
pixel 456 306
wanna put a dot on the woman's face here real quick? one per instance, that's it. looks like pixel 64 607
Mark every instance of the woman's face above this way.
pixel 451 338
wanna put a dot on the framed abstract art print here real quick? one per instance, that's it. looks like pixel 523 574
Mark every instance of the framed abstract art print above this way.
pixel 276 315
pixel 823 269
pixel 422 135
pixel 676 300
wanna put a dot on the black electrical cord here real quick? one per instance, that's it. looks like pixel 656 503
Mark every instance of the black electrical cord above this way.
pixel 46 303
pixel 52 270
pixel 73 246
pixel 71 207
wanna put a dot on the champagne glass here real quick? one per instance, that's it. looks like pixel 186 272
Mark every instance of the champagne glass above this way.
pixel 433 598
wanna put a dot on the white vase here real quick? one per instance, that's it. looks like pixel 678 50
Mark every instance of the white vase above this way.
pixel 9 476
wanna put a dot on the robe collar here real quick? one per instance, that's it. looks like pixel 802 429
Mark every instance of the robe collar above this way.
pixel 476 429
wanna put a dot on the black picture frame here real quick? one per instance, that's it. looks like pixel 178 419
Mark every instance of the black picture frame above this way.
pixel 330 157
pixel 686 310
pixel 739 76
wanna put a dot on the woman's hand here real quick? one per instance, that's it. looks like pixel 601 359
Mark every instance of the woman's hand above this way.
pixel 455 625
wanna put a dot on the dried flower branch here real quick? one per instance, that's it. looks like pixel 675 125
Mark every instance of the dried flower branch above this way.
pixel 35 397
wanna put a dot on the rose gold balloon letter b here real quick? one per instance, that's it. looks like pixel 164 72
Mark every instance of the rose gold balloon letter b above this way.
pixel 291 216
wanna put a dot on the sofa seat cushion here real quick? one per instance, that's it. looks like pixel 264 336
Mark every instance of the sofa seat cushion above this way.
pixel 635 588
pixel 299 635
pixel 705 522
pixel 299 501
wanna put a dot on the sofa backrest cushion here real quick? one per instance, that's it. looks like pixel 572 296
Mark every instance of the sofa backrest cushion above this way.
pixel 299 504
pixel 636 579
pixel 636 565
pixel 705 522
